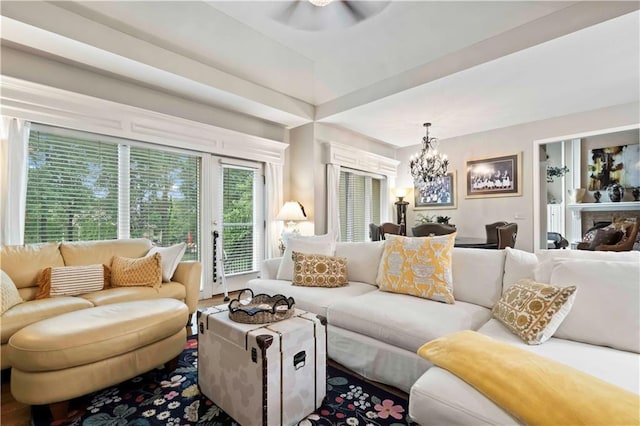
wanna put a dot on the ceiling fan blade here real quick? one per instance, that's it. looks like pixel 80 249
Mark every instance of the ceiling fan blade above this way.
pixel 353 9
pixel 286 14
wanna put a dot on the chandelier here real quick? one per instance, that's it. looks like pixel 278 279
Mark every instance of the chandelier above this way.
pixel 428 165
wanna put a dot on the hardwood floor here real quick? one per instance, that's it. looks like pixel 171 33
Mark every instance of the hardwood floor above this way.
pixel 14 413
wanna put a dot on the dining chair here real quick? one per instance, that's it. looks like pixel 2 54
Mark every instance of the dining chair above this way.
pixel 558 241
pixel 427 229
pixel 390 228
pixel 492 231
pixel 375 232
pixel 507 235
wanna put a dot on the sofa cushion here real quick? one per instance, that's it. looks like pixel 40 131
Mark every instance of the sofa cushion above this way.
pixel 72 280
pixel 92 335
pixel 144 271
pixel 9 295
pixel 312 299
pixel 170 290
pixel 518 264
pixel 316 270
pixel 92 252
pixel 363 259
pixel 35 310
pixel 534 311
pixel 521 264
pixel 306 245
pixel 477 275
pixel 24 263
pixel 617 367
pixel 171 256
pixel 607 306
pixel 402 320
pixel 418 266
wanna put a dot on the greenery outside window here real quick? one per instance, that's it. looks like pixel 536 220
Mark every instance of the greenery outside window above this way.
pixel 240 218
pixel 77 182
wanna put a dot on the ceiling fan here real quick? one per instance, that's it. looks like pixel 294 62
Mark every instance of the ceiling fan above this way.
pixel 317 15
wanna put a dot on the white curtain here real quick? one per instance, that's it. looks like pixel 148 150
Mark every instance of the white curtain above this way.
pixel 14 141
pixel 274 182
pixel 333 202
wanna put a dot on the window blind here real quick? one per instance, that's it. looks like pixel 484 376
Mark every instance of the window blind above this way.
pixel 82 187
pixel 164 194
pixel 72 189
pixel 359 202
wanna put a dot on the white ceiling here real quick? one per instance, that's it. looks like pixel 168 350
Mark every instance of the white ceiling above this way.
pixel 465 66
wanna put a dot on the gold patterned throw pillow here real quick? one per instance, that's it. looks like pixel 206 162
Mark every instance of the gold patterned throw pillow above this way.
pixel 533 310
pixel 418 266
pixel 143 271
pixel 317 270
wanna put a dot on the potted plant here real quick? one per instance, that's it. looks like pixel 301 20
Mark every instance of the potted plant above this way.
pixel 443 219
pixel 422 219
pixel 555 171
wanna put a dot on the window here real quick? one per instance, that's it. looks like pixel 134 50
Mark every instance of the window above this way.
pixel 163 197
pixel 72 190
pixel 83 186
pixel 240 218
pixel 360 204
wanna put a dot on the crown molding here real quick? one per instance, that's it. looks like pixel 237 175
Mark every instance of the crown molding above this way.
pixel 48 105
pixel 358 159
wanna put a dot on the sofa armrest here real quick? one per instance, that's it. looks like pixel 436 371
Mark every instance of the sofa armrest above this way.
pixel 189 274
pixel 269 268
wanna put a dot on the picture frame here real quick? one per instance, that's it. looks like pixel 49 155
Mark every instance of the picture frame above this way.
pixel 494 177
pixel 440 194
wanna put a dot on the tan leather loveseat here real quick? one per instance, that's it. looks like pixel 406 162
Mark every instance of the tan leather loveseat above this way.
pixel 23 264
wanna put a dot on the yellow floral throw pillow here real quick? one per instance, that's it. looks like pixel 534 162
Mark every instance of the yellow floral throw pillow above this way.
pixel 533 310
pixel 317 270
pixel 143 271
pixel 418 266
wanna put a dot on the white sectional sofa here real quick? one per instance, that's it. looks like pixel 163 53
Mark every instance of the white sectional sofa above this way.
pixel 377 333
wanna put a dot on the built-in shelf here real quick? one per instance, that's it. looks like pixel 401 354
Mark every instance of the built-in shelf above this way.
pixel 592 207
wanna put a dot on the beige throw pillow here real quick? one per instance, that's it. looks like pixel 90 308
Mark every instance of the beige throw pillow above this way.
pixel 72 280
pixel 316 270
pixel 9 295
pixel 144 271
pixel 533 310
pixel 171 256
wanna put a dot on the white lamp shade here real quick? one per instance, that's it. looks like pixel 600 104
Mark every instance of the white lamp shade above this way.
pixel 291 211
pixel 401 192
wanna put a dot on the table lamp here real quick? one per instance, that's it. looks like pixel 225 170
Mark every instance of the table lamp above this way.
pixel 291 213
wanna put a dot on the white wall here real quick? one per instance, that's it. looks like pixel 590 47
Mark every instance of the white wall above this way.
pixel 307 167
pixel 472 214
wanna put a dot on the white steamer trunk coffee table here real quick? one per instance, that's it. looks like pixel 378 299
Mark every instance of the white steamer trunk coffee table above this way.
pixel 269 374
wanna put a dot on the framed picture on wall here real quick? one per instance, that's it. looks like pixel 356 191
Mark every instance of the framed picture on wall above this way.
pixel 494 177
pixel 439 194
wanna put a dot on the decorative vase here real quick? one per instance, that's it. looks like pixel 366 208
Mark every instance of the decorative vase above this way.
pixel 576 195
pixel 616 193
pixel 597 196
pixel 636 193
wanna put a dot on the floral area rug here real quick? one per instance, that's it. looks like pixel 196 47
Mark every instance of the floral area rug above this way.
pixel 162 397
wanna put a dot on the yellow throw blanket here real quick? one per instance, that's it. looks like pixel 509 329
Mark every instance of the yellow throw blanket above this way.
pixel 533 389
